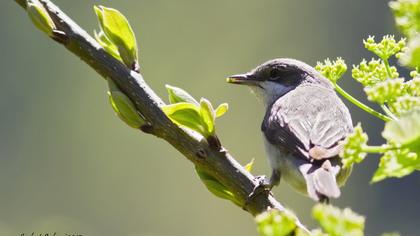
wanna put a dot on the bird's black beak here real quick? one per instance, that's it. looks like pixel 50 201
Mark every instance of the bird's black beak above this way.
pixel 247 79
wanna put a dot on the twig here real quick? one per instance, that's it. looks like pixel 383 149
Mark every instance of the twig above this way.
pixel 219 163
pixel 360 104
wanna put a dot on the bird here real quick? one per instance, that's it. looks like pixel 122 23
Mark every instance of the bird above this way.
pixel 303 128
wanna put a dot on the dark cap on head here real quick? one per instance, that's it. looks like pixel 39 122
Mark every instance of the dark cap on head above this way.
pixel 281 70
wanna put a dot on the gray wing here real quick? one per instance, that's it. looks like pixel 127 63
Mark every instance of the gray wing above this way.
pixel 309 121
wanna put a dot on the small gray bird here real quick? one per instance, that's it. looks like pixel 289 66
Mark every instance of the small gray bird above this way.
pixel 302 128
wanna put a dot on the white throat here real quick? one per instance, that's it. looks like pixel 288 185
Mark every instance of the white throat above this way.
pixel 270 91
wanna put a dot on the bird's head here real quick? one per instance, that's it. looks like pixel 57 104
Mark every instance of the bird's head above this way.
pixel 276 77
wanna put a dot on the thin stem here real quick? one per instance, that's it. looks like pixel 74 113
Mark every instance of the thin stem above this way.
pixel 388 112
pixel 388 70
pixel 373 149
pixel 360 104
pixel 378 149
pixel 384 107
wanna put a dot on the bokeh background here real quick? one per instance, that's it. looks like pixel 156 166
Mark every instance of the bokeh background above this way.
pixel 68 165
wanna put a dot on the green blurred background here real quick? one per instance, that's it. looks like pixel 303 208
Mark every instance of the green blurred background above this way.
pixel 68 165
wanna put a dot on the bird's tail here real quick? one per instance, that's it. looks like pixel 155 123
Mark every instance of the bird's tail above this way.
pixel 321 180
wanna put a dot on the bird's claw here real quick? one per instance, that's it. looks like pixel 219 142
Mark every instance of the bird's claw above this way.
pixel 263 186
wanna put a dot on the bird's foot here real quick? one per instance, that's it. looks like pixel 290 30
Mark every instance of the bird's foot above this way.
pixel 324 199
pixel 264 186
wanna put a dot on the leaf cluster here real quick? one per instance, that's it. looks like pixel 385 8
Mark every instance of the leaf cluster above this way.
pixel 116 36
pixel 187 112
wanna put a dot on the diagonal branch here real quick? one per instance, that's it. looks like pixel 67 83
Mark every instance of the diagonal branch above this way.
pixel 219 163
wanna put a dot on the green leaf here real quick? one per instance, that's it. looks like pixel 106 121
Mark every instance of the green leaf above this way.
pixel 125 109
pixel 333 70
pixel 352 151
pixel 338 222
pixel 208 116
pixel 396 163
pixel 40 17
pixel 215 187
pixel 404 131
pixel 196 116
pixel 123 106
pixel 221 109
pixel 386 91
pixel 249 166
pixel 185 114
pixel 276 223
pixel 107 45
pixel 405 134
pixel 179 95
pixel 119 32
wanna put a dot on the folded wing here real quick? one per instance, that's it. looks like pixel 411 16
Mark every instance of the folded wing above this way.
pixel 309 122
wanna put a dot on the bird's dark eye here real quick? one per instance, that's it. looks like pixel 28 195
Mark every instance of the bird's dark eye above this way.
pixel 275 73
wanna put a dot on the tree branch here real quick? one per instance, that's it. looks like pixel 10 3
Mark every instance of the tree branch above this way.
pixel 219 163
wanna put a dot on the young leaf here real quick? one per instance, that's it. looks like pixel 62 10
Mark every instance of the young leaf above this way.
pixel 276 223
pixel 40 17
pixel 119 32
pixel 338 222
pixel 123 106
pixel 179 95
pixel 207 115
pixel 125 109
pixel 249 166
pixel 221 109
pixel 185 114
pixel 396 163
pixel 215 187
pixel 352 151
pixel 404 131
pixel 107 45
